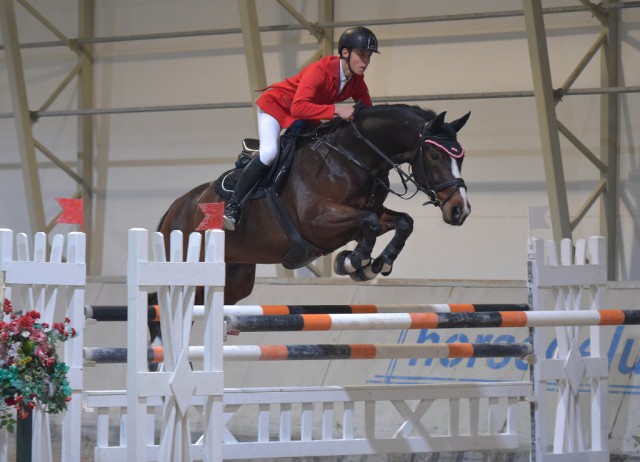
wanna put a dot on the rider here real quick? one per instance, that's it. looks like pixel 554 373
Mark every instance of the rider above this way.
pixel 310 95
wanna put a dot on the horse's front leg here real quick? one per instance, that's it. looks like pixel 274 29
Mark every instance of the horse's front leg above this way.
pixel 403 224
pixel 357 262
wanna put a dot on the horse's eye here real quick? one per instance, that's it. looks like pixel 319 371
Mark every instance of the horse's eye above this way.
pixel 435 154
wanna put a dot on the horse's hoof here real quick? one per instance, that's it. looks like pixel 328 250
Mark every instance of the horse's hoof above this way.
pixel 358 277
pixel 380 266
pixel 364 274
pixel 338 263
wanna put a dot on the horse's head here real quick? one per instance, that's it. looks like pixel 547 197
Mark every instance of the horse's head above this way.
pixel 437 166
pixel 397 134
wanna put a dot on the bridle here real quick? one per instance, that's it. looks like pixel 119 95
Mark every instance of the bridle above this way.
pixel 430 191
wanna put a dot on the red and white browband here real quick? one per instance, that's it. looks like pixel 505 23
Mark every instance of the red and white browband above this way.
pixel 450 146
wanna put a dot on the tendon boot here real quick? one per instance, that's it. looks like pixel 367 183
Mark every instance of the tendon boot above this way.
pixel 251 175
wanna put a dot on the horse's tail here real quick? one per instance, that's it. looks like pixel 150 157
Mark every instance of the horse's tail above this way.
pixel 162 220
pixel 152 299
pixel 155 334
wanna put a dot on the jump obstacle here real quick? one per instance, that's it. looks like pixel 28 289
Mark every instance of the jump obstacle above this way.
pixel 321 322
pixel 119 312
pixel 331 351
pixel 41 284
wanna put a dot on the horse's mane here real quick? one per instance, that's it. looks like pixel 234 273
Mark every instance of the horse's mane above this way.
pixel 334 125
pixel 425 114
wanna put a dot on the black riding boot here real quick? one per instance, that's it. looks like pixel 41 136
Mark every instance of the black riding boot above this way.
pixel 251 175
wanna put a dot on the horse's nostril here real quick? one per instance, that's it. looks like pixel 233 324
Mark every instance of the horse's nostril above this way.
pixel 456 213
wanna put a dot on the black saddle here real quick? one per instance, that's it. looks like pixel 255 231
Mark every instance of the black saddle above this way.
pixel 299 130
pixel 302 252
pixel 227 181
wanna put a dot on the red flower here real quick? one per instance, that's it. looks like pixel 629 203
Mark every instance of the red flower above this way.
pixel 26 322
pixel 7 307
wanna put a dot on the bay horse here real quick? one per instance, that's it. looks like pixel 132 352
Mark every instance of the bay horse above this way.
pixel 333 193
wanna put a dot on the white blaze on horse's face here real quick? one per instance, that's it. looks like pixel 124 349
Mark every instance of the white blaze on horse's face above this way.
pixel 454 204
pixel 455 171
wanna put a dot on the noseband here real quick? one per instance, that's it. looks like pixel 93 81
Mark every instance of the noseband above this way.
pixel 430 191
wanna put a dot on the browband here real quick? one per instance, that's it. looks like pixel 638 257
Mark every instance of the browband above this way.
pixel 448 145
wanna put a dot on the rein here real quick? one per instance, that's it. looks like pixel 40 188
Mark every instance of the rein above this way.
pixel 404 176
pixel 358 163
pixel 432 192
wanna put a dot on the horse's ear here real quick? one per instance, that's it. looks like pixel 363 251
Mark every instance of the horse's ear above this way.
pixel 458 124
pixel 435 123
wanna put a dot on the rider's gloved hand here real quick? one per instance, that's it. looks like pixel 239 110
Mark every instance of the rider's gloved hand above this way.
pixel 344 112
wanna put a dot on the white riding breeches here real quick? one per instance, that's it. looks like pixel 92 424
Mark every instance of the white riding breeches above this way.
pixel 269 134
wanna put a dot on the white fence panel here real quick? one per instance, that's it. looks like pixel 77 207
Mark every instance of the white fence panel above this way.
pixel 52 283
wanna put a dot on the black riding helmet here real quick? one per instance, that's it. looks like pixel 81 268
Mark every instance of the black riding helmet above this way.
pixel 358 37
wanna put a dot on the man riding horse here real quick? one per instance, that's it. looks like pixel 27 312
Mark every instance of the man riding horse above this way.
pixel 310 95
pixel 331 187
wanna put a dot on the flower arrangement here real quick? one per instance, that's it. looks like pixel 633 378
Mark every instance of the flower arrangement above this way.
pixel 30 371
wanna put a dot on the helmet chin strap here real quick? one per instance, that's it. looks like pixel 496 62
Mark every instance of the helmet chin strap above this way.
pixel 348 60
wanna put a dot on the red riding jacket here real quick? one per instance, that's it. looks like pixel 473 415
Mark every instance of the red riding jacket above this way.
pixel 312 93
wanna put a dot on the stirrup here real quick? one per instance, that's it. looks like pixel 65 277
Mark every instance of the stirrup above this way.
pixel 230 217
pixel 229 223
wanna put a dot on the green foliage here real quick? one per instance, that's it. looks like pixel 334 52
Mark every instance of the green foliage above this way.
pixel 30 371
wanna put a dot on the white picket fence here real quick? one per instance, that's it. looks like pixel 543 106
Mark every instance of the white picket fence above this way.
pixel 53 283
pixel 183 414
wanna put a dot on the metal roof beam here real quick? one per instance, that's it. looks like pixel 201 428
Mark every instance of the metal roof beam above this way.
pixel 595 194
pixel 314 30
pixel 84 136
pixel 325 15
pixel 59 89
pixel 73 45
pixel 375 99
pixel 586 59
pixel 333 24
pixel 609 132
pixel 22 116
pixel 252 45
pixel 545 105
pixel 582 148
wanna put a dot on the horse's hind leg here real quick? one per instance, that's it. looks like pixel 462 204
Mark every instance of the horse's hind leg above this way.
pixel 239 281
pixel 403 224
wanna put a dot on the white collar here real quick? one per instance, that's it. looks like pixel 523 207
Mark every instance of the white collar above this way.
pixel 343 78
